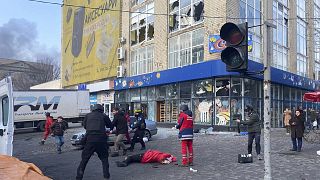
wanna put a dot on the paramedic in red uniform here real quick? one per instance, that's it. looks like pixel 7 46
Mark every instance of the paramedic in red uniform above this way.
pixel 185 126
pixel 47 126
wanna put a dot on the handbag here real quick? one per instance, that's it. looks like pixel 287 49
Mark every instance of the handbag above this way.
pixel 245 158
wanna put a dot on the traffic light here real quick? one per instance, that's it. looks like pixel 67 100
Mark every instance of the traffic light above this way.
pixel 235 56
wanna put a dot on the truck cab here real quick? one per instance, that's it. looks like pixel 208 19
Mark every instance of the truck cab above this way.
pixel 6 117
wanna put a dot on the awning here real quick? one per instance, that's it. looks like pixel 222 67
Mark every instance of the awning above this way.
pixel 312 96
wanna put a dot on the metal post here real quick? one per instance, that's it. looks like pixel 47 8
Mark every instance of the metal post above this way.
pixel 267 57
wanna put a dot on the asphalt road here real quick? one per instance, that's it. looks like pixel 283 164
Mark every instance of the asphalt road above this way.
pixel 215 158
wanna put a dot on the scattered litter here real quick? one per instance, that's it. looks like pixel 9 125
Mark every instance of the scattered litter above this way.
pixel 210 130
pixel 193 170
pixel 318 152
pixel 203 131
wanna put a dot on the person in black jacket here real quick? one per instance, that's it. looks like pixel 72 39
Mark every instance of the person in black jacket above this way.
pixel 57 129
pixel 139 127
pixel 297 130
pixel 120 122
pixel 254 129
pixel 95 124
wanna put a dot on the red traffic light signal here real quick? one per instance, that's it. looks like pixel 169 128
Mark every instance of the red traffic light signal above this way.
pixel 235 56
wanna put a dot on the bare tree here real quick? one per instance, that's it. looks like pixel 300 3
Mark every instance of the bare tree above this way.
pixel 44 70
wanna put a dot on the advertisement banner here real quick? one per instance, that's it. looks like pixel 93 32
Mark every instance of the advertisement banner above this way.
pixel 90 38
pixel 216 44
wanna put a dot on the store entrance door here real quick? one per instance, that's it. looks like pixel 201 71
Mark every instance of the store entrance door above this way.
pixel 108 110
pixel 161 111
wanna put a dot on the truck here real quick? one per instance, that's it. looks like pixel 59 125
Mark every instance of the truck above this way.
pixel 31 106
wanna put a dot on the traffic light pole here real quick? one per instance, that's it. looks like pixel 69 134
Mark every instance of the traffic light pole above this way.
pixel 267 57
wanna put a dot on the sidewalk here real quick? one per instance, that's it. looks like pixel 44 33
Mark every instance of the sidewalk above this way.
pixel 216 158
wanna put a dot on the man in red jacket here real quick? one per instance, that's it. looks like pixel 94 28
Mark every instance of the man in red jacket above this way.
pixel 47 126
pixel 185 126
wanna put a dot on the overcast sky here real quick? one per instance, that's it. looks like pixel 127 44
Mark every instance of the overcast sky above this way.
pixel 29 30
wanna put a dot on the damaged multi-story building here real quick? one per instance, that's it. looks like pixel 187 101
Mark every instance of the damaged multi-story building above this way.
pixel 173 57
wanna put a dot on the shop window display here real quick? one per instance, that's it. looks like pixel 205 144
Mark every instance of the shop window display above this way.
pixel 235 109
pixel 185 90
pixel 236 87
pixel 222 87
pixel 144 94
pixel 202 88
pixel 186 102
pixel 202 110
pixel 135 95
pixel 120 96
pixel 222 111
pixel 160 92
pixel 172 91
pixel 151 110
pixel 251 88
pixel 151 93
pixel 286 93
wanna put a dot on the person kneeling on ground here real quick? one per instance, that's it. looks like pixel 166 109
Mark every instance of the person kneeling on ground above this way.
pixel 150 156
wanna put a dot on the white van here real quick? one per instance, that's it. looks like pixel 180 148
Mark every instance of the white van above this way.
pixel 6 117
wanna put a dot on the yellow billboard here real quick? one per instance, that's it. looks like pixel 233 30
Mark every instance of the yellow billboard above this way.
pixel 90 38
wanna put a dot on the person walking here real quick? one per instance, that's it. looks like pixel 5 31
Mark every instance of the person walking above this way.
pixel 127 116
pixel 120 122
pixel 254 129
pixel 297 130
pixel 185 126
pixel 139 127
pixel 58 128
pixel 47 131
pixel 95 124
pixel 287 117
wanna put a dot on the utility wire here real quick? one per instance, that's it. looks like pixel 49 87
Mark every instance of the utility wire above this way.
pixel 157 14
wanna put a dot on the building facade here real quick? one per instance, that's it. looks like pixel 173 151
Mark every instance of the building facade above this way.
pixel 173 57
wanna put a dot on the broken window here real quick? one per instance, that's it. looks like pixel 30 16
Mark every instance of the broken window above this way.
pixel 185 13
pixel 142 24
pixel 142 34
pixel 134 35
pixel 198 11
pixel 150 31
pixel 174 5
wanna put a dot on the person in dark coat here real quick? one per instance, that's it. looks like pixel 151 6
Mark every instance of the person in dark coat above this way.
pixel 297 130
pixel 254 129
pixel 57 129
pixel 120 122
pixel 95 124
pixel 139 127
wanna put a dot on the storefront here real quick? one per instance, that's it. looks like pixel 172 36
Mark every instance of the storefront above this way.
pixel 214 96
pixel 102 93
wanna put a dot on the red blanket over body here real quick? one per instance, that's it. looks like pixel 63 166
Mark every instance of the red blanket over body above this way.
pixel 151 156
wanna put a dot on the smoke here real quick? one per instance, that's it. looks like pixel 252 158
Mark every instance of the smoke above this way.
pixel 18 40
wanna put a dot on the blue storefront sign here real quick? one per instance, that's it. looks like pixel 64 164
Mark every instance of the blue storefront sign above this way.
pixel 216 44
pixel 208 69
pixel 93 98
pixel 82 87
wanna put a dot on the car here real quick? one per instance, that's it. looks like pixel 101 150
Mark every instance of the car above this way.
pixel 151 130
